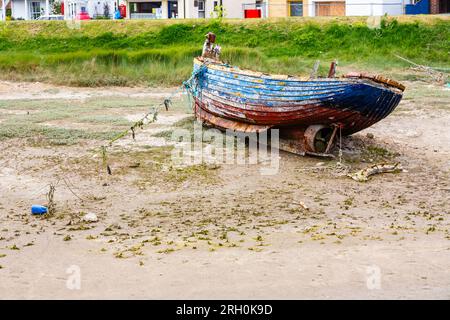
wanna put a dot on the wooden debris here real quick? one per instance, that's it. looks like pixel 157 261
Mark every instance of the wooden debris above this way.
pixel 50 199
pixel 363 175
pixel 301 204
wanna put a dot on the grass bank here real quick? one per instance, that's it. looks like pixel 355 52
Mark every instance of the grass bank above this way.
pixel 98 53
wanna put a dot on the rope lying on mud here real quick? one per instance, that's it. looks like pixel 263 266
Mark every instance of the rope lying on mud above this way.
pixel 438 76
pixel 138 124
pixel 190 86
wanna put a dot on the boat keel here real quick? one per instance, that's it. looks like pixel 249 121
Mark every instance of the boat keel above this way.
pixel 313 140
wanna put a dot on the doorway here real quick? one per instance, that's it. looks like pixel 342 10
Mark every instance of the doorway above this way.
pixel 173 9
pixel 330 8
pixel 444 6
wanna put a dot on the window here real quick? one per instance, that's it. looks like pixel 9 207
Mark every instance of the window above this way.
pixel 144 7
pixel 35 10
pixel 296 8
pixel 201 8
pixel 173 9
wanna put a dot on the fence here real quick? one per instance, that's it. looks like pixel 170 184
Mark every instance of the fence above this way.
pixel 102 16
pixel 144 16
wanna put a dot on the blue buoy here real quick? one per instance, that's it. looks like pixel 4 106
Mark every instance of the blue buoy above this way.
pixel 37 209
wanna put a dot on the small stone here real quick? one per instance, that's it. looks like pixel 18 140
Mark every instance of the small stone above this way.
pixel 412 134
pixel 90 217
pixel 320 164
pixel 370 135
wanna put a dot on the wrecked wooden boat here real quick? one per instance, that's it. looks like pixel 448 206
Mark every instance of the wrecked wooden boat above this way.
pixel 310 113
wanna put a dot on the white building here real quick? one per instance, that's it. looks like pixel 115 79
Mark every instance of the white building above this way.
pixel 26 9
pixel 375 7
pixel 314 8
pixel 94 8
pixel 135 9
pixel 157 9
pixel 185 9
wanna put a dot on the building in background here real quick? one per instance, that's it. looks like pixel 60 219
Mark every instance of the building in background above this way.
pixel 146 9
pixel 321 8
pixel 26 9
pixel 194 9
pixel 316 8
pixel 95 9
pixel 5 9
pixel 375 7
pixel 428 6
pixel 273 8
pixel 439 6
pixel 184 9
pixel 301 8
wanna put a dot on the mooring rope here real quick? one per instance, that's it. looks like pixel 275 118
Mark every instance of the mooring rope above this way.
pixel 340 144
pixel 191 86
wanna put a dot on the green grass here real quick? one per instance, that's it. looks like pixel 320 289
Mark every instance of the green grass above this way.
pixel 161 52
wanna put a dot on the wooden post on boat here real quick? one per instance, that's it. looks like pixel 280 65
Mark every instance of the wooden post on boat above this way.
pixel 313 74
pixel 332 71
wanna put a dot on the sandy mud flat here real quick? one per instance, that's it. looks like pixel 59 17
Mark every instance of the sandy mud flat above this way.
pixel 216 230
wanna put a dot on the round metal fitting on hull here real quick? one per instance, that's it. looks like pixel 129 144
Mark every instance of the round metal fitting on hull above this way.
pixel 317 138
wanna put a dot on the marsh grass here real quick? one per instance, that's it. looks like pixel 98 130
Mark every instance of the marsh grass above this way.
pixel 52 135
pixel 160 52
pixel 425 97
pixel 106 119
pixel 46 120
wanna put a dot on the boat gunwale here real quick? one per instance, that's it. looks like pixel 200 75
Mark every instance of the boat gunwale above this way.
pixel 304 85
pixel 221 66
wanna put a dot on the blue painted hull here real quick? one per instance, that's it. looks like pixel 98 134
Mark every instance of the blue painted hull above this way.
pixel 281 101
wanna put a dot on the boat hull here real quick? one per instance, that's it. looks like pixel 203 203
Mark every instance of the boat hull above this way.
pixel 261 101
